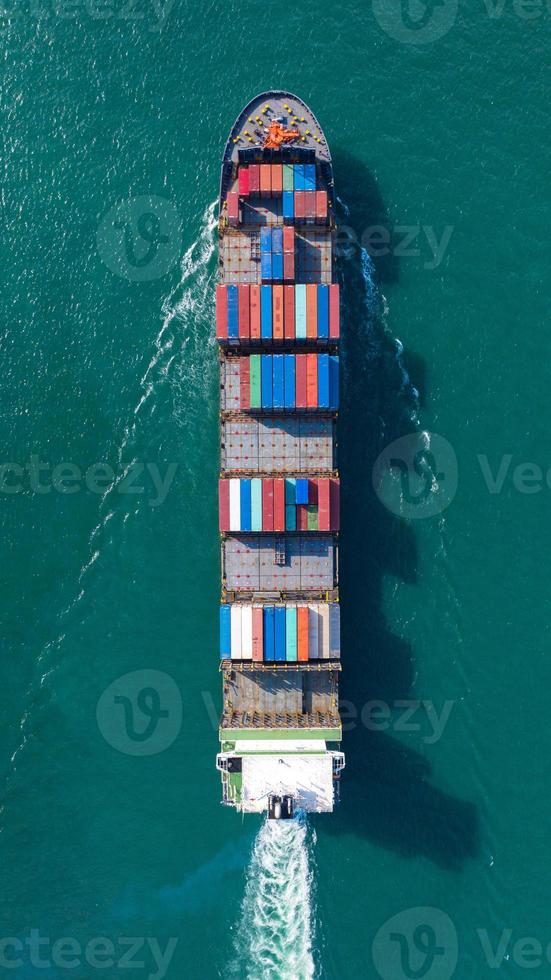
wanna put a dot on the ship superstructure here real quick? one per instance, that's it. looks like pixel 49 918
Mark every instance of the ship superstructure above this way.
pixel 278 327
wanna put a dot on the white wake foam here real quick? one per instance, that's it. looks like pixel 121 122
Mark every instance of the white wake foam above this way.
pixel 275 934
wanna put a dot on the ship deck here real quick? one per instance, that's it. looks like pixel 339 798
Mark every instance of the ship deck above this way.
pixel 249 563
pixel 268 446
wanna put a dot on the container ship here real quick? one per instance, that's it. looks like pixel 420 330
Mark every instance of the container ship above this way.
pixel 278 329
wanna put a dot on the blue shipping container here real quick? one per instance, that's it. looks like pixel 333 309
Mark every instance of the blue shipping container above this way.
pixel 310 177
pixel 245 501
pixel 277 239
pixel 265 265
pixel 323 311
pixel 279 386
pixel 233 320
pixel 288 204
pixel 299 177
pixel 269 633
pixel 333 381
pixel 266 312
pixel 279 633
pixel 277 266
pixel 290 380
pixel 225 632
pixel 323 384
pixel 266 369
pixel 302 491
pixel 265 239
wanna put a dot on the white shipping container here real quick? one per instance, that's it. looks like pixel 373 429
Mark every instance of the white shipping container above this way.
pixel 235 505
pixel 247 632
pixel 324 631
pixel 236 632
pixel 313 632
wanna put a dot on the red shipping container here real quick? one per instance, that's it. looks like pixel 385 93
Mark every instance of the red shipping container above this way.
pixel 243 178
pixel 302 633
pixel 233 208
pixel 255 312
pixel 311 311
pixel 334 311
pixel 288 238
pixel 324 523
pixel 267 505
pixel 277 312
pixel 244 312
pixel 334 496
pixel 258 635
pixel 254 178
pixel 265 180
pixel 311 380
pixel 244 383
pixel 310 205
pixel 277 179
pixel 288 266
pixel 300 381
pixel 221 313
pixel 289 318
pixel 279 505
pixel 299 204
pixel 321 207
pixel 224 505
pixel 302 517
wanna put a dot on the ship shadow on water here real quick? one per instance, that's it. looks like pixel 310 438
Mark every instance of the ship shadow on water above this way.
pixel 387 793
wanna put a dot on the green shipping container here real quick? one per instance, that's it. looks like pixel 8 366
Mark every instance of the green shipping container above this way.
pixel 312 517
pixel 255 386
pixel 288 177
pixel 291 633
pixel 256 504
pixel 300 312
pixel 290 505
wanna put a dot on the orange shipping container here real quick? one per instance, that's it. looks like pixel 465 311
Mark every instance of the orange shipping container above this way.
pixel 258 647
pixel 255 312
pixel 277 179
pixel 265 180
pixel 244 312
pixel 277 310
pixel 311 311
pixel 289 321
pixel 311 381
pixel 302 633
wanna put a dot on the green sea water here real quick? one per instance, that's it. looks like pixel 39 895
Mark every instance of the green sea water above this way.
pixel 437 118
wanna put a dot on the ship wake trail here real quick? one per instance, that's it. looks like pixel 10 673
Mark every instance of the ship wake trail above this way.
pixel 275 933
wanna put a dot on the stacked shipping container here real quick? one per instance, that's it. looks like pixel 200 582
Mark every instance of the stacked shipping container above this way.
pixel 300 313
pixel 268 505
pixel 290 633
pixel 277 312
pixel 288 382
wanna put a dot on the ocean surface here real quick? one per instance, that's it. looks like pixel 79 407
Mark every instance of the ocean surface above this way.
pixel 438 861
